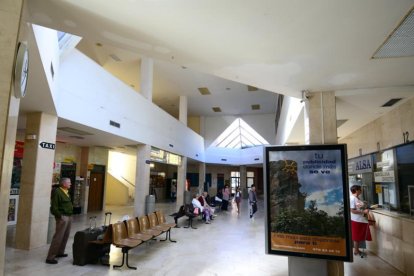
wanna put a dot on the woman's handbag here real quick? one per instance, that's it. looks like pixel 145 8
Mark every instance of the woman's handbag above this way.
pixel 196 211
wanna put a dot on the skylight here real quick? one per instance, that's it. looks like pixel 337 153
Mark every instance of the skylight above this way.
pixel 239 135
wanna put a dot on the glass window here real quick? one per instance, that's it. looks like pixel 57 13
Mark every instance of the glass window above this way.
pixel 234 181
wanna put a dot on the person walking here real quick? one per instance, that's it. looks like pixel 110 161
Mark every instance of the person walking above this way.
pixel 226 198
pixel 62 208
pixel 252 200
pixel 237 199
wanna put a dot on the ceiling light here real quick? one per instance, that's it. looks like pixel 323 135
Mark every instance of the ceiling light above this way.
pixel 400 42
pixel 115 57
pixel 216 109
pixel 98 44
pixel 204 91
pixel 252 88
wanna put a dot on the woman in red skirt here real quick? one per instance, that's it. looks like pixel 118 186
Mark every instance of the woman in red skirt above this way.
pixel 359 221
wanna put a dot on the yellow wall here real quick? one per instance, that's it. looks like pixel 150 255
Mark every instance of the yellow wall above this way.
pixel 194 124
pixel 116 192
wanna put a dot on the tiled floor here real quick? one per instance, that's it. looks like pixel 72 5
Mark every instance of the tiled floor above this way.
pixel 231 245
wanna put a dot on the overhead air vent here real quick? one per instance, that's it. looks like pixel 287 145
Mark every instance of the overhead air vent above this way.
pixel 252 88
pixel 391 102
pixel 400 43
pixel 74 131
pixel 255 106
pixel 204 91
pixel 115 124
pixel 216 109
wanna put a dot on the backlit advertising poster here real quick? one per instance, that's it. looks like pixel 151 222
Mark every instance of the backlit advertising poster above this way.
pixel 306 200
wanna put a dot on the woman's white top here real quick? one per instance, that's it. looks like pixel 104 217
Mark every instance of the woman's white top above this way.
pixel 356 203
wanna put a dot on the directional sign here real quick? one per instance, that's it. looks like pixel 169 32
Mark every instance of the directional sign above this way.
pixel 47 145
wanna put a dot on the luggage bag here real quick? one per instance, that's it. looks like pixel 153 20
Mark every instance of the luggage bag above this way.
pixel 84 250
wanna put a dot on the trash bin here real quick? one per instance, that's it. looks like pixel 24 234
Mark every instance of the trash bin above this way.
pixel 187 197
pixel 149 204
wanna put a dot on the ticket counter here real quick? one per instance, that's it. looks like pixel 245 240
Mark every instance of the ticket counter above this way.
pixel 393 239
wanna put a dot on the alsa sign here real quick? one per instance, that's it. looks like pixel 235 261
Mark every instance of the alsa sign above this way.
pixel 360 165
pixel 47 145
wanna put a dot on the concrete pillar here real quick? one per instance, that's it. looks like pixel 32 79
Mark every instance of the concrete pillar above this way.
pixel 243 180
pixel 201 176
pixel 181 180
pixel 320 119
pixel 320 128
pixel 36 181
pixel 142 179
pixel 147 70
pixel 10 14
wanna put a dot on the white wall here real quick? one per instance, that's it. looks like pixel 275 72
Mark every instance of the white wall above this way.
pixel 291 110
pixel 48 46
pixel 100 97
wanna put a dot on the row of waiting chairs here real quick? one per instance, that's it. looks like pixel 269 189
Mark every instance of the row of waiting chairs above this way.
pixel 133 232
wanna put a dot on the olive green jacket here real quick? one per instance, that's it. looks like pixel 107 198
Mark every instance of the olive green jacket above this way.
pixel 61 205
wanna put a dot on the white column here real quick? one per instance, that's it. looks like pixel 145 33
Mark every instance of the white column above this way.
pixel 10 14
pixel 142 179
pixel 320 128
pixel 147 71
pixel 201 176
pixel 36 182
pixel 181 177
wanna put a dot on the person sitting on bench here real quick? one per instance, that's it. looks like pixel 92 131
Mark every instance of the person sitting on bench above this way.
pixel 197 204
pixel 205 203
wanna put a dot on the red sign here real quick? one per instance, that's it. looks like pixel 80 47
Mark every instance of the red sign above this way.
pixel 18 149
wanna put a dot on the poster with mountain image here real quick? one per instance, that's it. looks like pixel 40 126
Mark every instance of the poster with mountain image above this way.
pixel 307 201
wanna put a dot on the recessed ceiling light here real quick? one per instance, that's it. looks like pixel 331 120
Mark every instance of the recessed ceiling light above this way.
pixel 204 91
pixel 252 88
pixel 216 109
pixel 115 57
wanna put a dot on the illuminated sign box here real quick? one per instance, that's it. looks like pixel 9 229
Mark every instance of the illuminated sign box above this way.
pixel 307 202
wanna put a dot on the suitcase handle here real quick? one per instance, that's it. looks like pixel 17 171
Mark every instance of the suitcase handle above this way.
pixel 110 215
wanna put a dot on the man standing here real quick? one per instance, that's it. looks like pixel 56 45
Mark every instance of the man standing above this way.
pixel 252 200
pixel 61 207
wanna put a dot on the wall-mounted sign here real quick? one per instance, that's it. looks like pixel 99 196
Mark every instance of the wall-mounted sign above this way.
pixel 360 165
pixel 385 176
pixel 306 199
pixel 47 145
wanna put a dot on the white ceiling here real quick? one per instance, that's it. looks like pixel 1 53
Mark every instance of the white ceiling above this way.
pixel 281 46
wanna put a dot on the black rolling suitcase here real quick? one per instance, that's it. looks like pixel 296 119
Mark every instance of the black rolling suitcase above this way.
pixel 84 250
